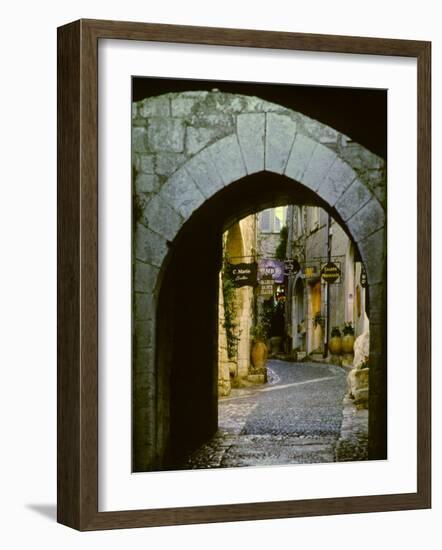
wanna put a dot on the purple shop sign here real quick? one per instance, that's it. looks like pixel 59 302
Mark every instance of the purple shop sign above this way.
pixel 271 269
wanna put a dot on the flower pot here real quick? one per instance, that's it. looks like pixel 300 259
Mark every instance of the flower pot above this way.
pixel 259 354
pixel 348 341
pixel 335 345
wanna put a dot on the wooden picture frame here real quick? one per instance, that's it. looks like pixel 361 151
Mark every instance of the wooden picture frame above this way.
pixel 78 274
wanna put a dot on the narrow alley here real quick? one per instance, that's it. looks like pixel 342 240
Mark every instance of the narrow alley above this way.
pixel 295 418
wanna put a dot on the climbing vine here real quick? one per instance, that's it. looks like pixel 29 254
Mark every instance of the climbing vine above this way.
pixel 281 249
pixel 230 310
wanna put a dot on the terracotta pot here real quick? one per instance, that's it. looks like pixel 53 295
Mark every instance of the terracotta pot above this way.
pixel 259 354
pixel 335 345
pixel 348 341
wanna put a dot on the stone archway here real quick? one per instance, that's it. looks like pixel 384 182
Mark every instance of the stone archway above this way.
pixel 189 148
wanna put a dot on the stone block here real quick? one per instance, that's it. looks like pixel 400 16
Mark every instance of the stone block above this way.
pixel 168 163
pixel 145 277
pixel 198 138
pixel 372 250
pixel 159 216
pixel 250 129
pixel 144 334
pixel 144 306
pixel 318 166
pixel 353 199
pixel 256 378
pixel 182 193
pixel 279 137
pixel 182 105
pixel 149 246
pixel 360 158
pixel 155 107
pixel 376 303
pixel 361 349
pixel 299 157
pixel 146 164
pixel 319 132
pixel 204 173
pixel 336 181
pixel 139 136
pixel 227 158
pixel 166 134
pixel 366 220
pixel 146 183
pixel 144 359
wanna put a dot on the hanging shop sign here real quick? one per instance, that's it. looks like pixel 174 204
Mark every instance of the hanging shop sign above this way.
pixel 244 274
pixel 330 272
pixel 310 271
pixel 271 269
pixel 363 279
pixel 265 288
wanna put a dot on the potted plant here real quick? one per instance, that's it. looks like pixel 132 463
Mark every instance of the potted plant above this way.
pixel 335 342
pixel 348 339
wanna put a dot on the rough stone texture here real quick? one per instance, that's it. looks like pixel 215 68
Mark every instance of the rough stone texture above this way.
pixel 376 303
pixel 352 444
pixel 320 163
pixel 161 218
pixel 139 136
pixel 279 137
pixel 146 164
pixel 367 220
pixel 358 382
pixel 372 250
pixel 336 181
pixel 149 246
pixel 227 158
pixel 198 138
pixel 251 136
pixel 166 134
pixel 182 193
pixel 361 349
pixel 167 163
pixel 144 306
pixel 147 183
pixel 145 277
pixel 300 156
pixel 203 171
pixel 154 107
pixel 353 199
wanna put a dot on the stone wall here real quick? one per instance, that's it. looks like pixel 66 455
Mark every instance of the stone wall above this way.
pixel 240 244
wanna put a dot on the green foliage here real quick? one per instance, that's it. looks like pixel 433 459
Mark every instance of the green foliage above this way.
pixel 273 317
pixel 348 329
pixel 335 332
pixel 318 320
pixel 259 332
pixel 281 249
pixel 230 310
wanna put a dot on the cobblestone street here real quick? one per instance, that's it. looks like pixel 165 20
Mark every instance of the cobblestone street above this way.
pixel 295 418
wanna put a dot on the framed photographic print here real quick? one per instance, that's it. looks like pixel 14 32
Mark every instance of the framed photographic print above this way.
pixel 244 275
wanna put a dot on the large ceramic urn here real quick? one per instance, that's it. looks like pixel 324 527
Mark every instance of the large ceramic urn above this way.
pixel 259 354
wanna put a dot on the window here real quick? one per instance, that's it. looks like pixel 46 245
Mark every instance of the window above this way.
pixel 273 220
